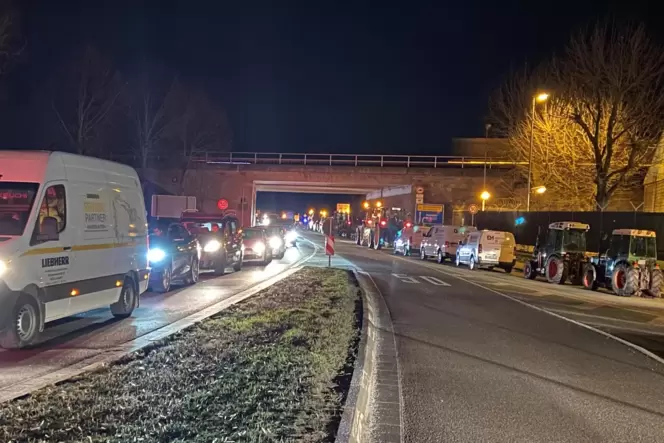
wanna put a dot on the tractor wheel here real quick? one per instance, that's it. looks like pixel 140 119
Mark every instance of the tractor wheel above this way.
pixel 590 277
pixel 578 276
pixel 556 270
pixel 656 281
pixel 625 280
pixel 529 270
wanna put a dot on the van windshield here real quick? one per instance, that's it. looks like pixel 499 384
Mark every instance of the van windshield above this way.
pixel 16 201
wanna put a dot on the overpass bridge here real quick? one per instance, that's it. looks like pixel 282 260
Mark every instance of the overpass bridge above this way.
pixel 237 176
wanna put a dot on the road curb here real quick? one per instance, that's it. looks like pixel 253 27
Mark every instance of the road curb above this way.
pixel 372 412
pixel 112 355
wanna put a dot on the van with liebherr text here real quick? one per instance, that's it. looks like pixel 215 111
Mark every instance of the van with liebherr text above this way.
pixel 73 237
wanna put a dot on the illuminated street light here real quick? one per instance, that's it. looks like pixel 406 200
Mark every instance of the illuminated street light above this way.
pixel 366 205
pixel 484 196
pixel 539 98
pixel 311 211
pixel 539 189
pixel 379 204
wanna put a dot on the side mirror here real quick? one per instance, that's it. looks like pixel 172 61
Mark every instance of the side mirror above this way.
pixel 48 230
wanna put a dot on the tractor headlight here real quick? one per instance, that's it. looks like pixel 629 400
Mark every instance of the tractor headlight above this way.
pixel 3 267
pixel 156 255
pixel 212 246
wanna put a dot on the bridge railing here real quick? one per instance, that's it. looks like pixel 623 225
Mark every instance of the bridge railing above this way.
pixel 383 161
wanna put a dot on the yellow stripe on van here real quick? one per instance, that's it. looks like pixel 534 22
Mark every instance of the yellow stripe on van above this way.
pixel 95 247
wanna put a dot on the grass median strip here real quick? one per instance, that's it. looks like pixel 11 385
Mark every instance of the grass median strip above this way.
pixel 272 368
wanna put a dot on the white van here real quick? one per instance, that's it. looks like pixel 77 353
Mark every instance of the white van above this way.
pixel 442 241
pixel 488 249
pixel 73 237
pixel 409 239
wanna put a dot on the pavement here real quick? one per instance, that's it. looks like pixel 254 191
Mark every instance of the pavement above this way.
pixel 484 356
pixel 78 340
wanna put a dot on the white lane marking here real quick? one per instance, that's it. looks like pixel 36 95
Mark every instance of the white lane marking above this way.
pixel 434 280
pixel 405 278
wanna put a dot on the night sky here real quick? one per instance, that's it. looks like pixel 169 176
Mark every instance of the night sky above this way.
pixel 379 77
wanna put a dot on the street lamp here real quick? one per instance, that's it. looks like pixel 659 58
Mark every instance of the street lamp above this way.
pixel 379 204
pixel 538 98
pixel 311 211
pixel 366 205
pixel 539 189
pixel 484 196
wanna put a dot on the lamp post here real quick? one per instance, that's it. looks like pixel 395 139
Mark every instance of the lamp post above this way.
pixel 484 196
pixel 536 98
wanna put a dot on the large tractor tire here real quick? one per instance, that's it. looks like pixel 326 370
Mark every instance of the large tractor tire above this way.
pixel 556 270
pixel 529 270
pixel 590 277
pixel 625 280
pixel 656 281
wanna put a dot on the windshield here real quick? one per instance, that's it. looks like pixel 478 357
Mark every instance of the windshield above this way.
pixel 198 227
pixel 574 240
pixel 250 234
pixel 275 230
pixel 16 201
pixel 643 247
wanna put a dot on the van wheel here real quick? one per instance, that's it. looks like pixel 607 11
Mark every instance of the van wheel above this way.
pixel 128 300
pixel 423 254
pixel 457 261
pixel 440 258
pixel 24 328
pixel 164 283
pixel 471 264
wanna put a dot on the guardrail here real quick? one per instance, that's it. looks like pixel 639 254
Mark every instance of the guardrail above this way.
pixel 383 161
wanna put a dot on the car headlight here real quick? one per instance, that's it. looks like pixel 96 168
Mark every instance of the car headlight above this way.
pixel 212 246
pixel 259 247
pixel 291 236
pixel 156 255
pixel 276 242
pixel 3 267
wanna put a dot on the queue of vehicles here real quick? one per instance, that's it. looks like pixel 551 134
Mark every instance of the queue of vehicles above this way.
pixel 628 267
pixel 75 236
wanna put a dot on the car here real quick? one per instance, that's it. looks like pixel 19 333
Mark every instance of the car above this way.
pixel 173 255
pixel 487 249
pixel 276 240
pixel 290 234
pixel 410 238
pixel 73 237
pixel 256 246
pixel 220 239
pixel 442 241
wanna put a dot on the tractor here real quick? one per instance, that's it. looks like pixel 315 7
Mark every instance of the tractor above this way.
pixel 563 255
pixel 629 267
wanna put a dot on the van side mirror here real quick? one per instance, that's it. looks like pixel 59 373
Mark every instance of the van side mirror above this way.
pixel 48 230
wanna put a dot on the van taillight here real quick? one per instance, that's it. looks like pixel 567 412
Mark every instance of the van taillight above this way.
pixel 479 248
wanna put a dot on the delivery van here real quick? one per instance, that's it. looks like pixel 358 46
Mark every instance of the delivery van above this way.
pixel 73 237
pixel 488 249
pixel 442 241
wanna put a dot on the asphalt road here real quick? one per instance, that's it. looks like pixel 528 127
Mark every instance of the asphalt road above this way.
pixel 478 366
pixel 80 337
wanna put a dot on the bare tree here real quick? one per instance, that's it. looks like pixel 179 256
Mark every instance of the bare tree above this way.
pixel 86 96
pixel 597 130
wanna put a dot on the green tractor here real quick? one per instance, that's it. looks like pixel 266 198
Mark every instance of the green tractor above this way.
pixel 629 267
pixel 563 255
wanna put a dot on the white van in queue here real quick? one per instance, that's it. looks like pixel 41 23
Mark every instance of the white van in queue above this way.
pixel 442 241
pixel 488 249
pixel 73 237
pixel 409 239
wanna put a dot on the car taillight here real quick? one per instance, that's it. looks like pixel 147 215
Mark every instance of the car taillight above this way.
pixel 479 248
pixel 447 244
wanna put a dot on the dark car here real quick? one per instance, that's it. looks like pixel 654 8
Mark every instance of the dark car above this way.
pixel 256 247
pixel 173 255
pixel 220 240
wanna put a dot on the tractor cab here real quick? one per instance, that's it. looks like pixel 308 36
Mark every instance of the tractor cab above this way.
pixel 562 254
pixel 629 267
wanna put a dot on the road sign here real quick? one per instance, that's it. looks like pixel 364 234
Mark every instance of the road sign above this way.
pixel 430 214
pixel 343 208
pixel 473 209
pixel 329 245
pixel 222 204
pixel 419 190
pixel 419 199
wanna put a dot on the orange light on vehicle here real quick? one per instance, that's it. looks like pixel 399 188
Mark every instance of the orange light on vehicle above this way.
pixel 118 283
pixel 74 292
